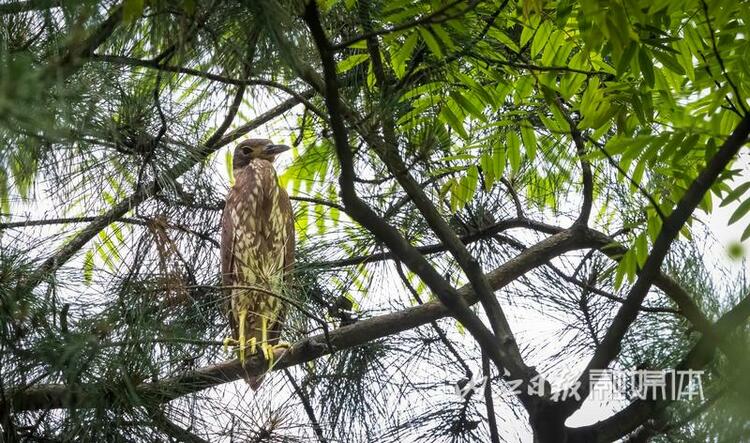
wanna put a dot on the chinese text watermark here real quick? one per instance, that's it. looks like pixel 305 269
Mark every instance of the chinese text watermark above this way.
pixel 609 384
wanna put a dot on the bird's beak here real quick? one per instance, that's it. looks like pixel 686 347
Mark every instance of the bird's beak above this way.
pixel 275 149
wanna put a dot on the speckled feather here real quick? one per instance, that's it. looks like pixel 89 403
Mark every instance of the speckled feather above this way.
pixel 257 247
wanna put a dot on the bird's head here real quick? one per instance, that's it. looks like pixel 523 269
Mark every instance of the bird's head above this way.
pixel 253 148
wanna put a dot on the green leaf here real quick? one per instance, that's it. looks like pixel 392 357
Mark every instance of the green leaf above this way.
pixel 541 38
pixel 320 218
pixel 453 121
pixel 302 220
pixel 132 9
pixel 626 58
pixel 498 161
pixel 431 42
pixel 472 108
pixel 653 225
pixel 740 212
pixel 647 67
pixel 526 33
pixel 88 267
pixel 4 196
pixel 735 194
pixel 745 233
pixel 403 54
pixel 641 248
pixel 370 76
pixel 685 57
pixel 529 141
pixel 630 265
pixel 556 49
pixel 443 36
pixel 118 232
pixel 228 158
pixel 350 62
pixel 514 152
pixel 472 178
pixel 488 170
pixel 670 62
pixel 460 328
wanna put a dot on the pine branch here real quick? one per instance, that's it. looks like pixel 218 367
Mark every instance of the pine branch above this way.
pixel 638 412
pixel 28 5
pixel 215 142
pixel 54 396
pixel 507 354
pixel 626 315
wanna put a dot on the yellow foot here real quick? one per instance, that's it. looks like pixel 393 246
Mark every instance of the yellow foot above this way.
pixel 238 347
pixel 268 351
pixel 229 341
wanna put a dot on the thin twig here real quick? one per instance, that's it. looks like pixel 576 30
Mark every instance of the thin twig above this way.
pixel 489 403
pixel 433 18
pixel 307 406
pixel 724 72
pixel 444 338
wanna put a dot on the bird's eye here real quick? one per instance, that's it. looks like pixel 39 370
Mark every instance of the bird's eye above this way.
pixel 247 150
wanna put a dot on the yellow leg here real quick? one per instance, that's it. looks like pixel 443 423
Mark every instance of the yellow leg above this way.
pixel 253 344
pixel 243 316
pixel 271 349
pixel 264 336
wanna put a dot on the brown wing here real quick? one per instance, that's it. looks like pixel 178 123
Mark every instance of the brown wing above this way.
pixel 285 205
pixel 228 269
pixel 257 234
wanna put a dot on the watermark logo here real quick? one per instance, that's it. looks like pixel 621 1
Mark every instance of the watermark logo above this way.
pixel 607 384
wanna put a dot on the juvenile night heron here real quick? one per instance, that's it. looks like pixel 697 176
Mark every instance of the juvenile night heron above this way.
pixel 257 250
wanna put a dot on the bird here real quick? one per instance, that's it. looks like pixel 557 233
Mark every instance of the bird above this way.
pixel 257 251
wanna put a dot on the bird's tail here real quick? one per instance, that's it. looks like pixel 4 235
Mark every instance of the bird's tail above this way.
pixel 254 381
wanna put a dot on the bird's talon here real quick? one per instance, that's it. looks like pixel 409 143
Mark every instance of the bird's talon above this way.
pixel 268 354
pixel 227 343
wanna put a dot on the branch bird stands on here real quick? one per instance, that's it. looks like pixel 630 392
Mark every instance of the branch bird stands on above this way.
pixel 257 249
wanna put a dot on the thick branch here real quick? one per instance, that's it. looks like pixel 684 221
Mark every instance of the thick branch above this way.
pixel 101 395
pixel 505 356
pixel 612 341
pixel 640 411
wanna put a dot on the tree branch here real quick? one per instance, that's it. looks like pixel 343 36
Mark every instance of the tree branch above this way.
pixel 215 142
pixel 66 65
pixel 440 247
pixel 639 411
pixel 307 406
pixel 612 341
pixel 438 16
pixel 489 403
pixel 152 64
pixel 54 396
pixel 588 176
pixel 28 5
pixel 505 356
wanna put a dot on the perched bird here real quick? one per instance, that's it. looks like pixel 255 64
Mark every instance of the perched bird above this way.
pixel 257 250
